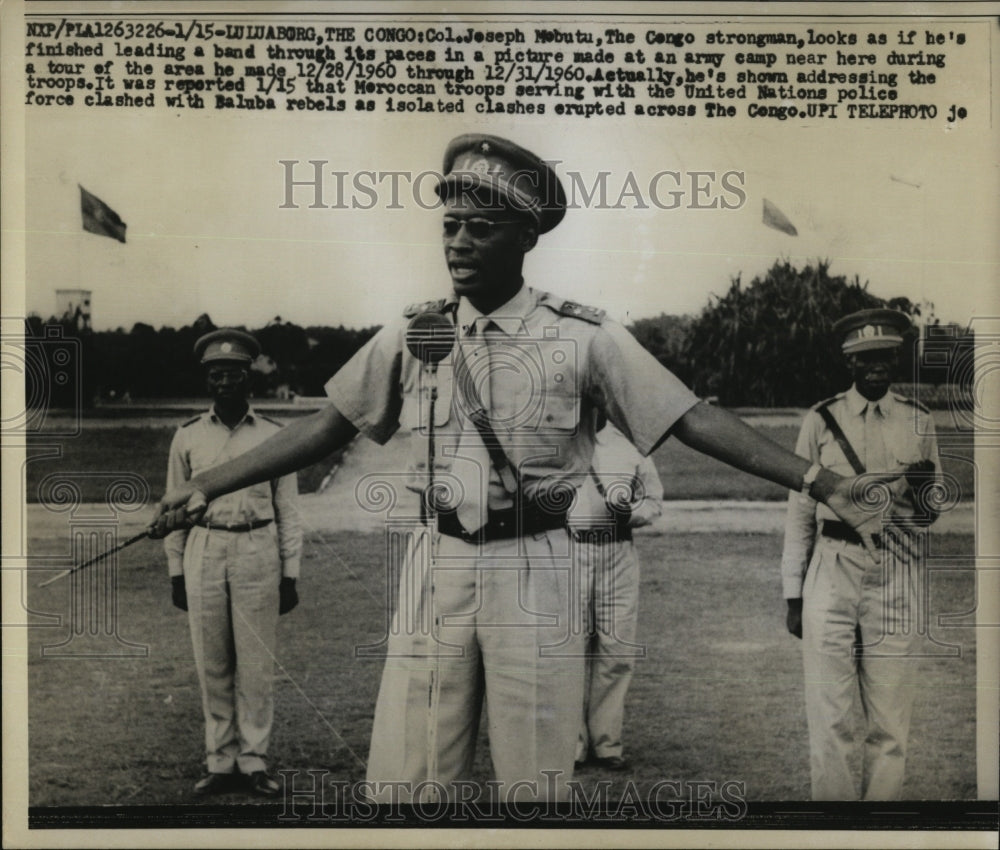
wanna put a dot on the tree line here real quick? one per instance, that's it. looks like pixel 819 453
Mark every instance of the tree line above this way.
pixel 763 344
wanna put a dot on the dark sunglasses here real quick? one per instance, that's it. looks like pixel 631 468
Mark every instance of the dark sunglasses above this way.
pixel 477 228
pixel 232 376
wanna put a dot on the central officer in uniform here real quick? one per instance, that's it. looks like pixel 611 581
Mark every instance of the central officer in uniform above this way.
pixel 504 599
pixel 513 417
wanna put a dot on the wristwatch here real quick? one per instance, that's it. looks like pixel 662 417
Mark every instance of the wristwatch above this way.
pixel 807 480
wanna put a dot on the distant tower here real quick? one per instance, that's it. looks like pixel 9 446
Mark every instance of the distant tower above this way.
pixel 74 305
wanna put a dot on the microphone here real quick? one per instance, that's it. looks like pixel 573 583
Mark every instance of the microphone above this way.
pixel 430 337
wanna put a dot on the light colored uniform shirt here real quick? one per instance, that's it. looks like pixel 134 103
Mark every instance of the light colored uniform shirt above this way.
pixel 549 371
pixel 205 442
pixel 620 469
pixel 908 436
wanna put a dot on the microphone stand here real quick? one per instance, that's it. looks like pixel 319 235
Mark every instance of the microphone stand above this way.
pixel 430 792
pixel 430 338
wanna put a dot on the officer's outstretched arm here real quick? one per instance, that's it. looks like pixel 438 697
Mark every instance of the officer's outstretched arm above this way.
pixel 718 433
pixel 305 441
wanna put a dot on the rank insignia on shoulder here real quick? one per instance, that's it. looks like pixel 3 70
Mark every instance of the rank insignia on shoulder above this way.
pixel 272 421
pixel 593 315
pixel 441 305
pixel 191 421
pixel 582 311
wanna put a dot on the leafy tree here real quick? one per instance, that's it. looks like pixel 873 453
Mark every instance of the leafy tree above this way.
pixel 770 343
pixel 666 338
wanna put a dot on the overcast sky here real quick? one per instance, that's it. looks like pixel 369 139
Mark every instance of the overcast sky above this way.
pixel 911 207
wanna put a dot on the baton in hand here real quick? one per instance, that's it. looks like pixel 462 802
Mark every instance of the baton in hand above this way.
pixel 125 543
pixel 134 539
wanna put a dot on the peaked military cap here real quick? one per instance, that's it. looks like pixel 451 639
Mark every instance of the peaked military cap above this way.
pixel 870 329
pixel 515 176
pixel 227 344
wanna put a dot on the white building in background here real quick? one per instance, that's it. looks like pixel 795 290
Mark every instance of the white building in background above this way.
pixel 74 305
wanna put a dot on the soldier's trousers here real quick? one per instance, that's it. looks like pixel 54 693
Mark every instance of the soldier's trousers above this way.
pixel 844 591
pixel 612 572
pixel 232 589
pixel 499 622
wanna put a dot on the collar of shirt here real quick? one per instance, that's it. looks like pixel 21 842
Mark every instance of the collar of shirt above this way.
pixel 857 403
pixel 509 317
pixel 248 417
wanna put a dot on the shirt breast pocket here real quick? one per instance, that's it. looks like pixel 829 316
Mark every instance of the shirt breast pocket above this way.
pixel 831 456
pixel 202 457
pixel 901 444
pixel 260 500
pixel 560 413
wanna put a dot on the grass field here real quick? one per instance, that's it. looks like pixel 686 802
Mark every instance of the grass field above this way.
pixel 136 449
pixel 718 696
pixel 686 474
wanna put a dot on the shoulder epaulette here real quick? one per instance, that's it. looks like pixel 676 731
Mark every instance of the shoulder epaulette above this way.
pixel 442 305
pixel 912 402
pixel 191 421
pixel 827 402
pixel 272 421
pixel 594 315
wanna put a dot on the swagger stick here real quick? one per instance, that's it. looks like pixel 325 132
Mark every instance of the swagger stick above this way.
pixel 134 539
pixel 125 543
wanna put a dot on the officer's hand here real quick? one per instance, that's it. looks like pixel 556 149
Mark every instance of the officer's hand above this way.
pixel 179 508
pixel 288 596
pixel 178 592
pixel 793 618
pixel 862 503
pixel 870 504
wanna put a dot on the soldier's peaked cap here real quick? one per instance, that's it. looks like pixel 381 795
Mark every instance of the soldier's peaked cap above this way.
pixel 870 329
pixel 520 180
pixel 227 344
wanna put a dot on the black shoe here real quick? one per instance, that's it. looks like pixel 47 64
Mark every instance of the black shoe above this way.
pixel 263 785
pixel 213 783
pixel 580 764
pixel 612 763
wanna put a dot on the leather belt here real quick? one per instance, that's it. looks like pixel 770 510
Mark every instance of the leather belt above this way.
pixel 604 535
pixel 503 524
pixel 836 530
pixel 233 526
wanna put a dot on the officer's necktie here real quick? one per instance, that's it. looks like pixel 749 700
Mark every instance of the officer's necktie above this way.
pixel 875 455
pixel 472 461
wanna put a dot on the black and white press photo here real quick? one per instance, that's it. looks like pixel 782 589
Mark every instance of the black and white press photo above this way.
pixel 527 417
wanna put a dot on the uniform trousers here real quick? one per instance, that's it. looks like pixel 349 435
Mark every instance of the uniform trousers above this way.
pixel 844 591
pixel 611 571
pixel 232 591
pixel 498 621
